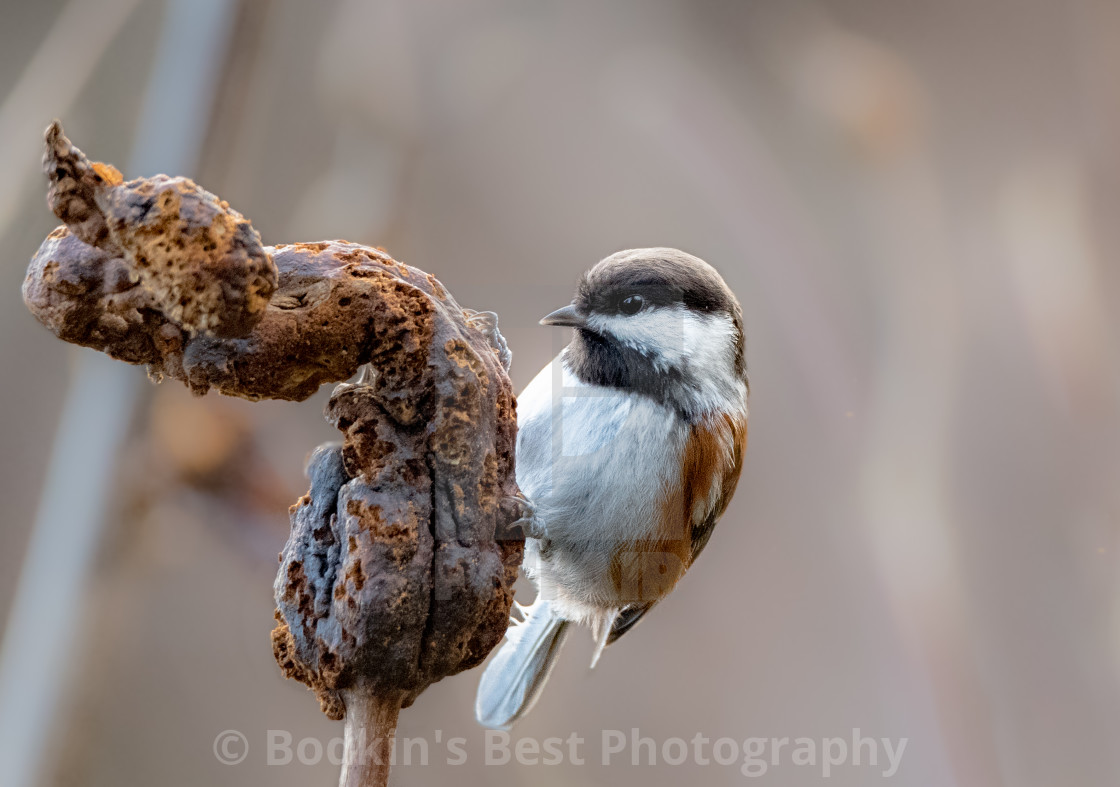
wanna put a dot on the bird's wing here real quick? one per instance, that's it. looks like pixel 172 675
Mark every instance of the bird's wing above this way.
pixel 700 532
pixel 630 616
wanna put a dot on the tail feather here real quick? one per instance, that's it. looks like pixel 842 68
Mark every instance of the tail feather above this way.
pixel 513 679
pixel 603 630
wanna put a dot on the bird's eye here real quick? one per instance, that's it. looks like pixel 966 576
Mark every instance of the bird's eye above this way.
pixel 631 305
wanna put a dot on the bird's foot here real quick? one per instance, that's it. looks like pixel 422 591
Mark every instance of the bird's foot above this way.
pixel 526 519
pixel 521 616
pixel 486 323
pixel 367 376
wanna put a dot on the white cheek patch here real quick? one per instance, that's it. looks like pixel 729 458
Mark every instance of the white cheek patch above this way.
pixel 661 334
pixel 709 345
pixel 674 337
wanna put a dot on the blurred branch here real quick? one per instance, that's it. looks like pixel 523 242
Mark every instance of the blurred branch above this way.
pixel 39 659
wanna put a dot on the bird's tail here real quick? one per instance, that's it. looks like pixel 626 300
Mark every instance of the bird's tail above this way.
pixel 515 676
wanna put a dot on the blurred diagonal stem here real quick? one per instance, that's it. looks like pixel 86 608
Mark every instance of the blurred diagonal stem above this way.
pixel 51 81
pixel 46 613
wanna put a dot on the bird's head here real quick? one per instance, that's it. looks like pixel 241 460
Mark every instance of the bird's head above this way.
pixel 659 322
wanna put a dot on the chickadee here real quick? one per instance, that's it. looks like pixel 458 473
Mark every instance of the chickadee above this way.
pixel 629 448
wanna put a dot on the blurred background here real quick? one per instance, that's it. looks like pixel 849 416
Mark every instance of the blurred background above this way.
pixel 916 203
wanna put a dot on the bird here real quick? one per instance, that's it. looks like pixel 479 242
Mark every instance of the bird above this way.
pixel 630 445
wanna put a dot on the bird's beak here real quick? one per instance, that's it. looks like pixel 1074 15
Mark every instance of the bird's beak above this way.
pixel 569 317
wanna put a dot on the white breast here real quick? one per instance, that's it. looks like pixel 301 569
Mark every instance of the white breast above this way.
pixel 595 463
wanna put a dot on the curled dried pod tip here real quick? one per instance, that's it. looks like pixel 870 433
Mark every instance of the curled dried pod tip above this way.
pixel 202 261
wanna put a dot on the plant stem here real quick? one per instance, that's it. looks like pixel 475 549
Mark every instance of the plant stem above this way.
pixel 371 722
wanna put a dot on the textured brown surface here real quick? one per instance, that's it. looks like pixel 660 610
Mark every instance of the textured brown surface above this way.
pixel 392 577
pixel 200 260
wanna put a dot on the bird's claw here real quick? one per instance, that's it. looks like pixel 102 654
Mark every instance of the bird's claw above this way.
pixel 481 320
pixel 519 506
pixel 521 617
pixel 532 528
pixel 368 375
pixel 486 323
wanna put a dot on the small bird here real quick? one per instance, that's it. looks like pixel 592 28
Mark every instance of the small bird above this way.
pixel 629 448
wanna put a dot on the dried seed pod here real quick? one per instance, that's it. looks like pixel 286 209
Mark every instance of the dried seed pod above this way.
pixel 393 576
pixel 398 527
